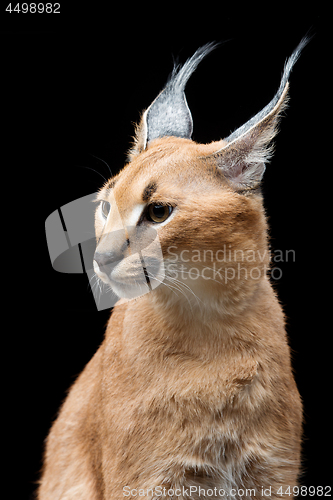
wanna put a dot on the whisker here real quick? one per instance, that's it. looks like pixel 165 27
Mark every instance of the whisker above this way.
pixel 89 168
pixel 178 285
pixel 100 159
pixel 183 284
pixel 186 287
pixel 172 288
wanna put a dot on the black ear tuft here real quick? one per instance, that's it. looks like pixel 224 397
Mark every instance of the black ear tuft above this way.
pixel 168 114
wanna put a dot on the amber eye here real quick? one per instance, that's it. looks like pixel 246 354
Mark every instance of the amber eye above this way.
pixel 158 213
pixel 105 208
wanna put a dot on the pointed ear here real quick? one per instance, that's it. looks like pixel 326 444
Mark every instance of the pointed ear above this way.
pixel 169 114
pixel 242 160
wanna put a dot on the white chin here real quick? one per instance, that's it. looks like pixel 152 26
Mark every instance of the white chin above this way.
pixel 130 291
pixel 127 288
pixel 122 290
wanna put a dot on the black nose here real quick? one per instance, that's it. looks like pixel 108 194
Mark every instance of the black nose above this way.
pixel 107 261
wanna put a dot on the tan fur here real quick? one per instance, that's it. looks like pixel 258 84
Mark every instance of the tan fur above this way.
pixel 193 383
pixel 180 395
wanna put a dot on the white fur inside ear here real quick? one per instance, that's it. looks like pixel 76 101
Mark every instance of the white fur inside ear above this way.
pixel 243 175
pixel 243 159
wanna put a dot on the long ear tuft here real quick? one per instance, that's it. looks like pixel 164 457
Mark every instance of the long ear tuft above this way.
pixel 168 114
pixel 242 160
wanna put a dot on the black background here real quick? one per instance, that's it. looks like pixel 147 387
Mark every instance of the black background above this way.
pixel 72 85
